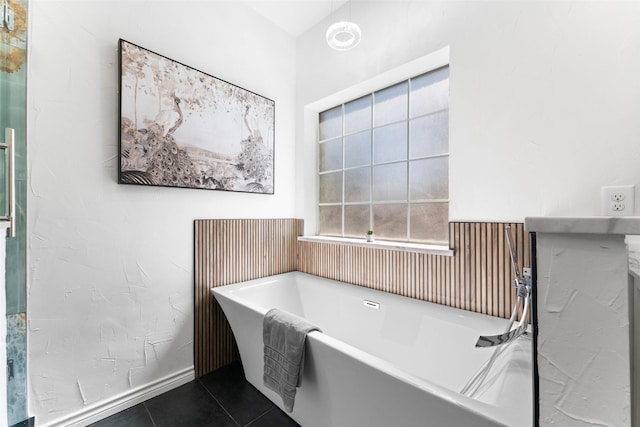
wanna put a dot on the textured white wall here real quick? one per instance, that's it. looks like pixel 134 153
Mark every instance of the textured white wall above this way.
pixel 583 321
pixel 542 98
pixel 111 266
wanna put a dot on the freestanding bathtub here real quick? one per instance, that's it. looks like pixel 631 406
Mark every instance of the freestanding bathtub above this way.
pixel 382 359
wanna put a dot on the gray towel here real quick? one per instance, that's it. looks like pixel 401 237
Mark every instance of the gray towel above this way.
pixel 284 335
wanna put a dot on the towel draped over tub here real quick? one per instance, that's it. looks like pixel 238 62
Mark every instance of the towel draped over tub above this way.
pixel 284 335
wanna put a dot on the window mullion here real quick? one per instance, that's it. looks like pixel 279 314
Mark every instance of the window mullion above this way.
pixel 408 235
pixel 373 106
pixel 343 174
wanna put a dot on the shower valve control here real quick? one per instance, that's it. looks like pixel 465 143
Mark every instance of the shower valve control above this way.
pixel 618 201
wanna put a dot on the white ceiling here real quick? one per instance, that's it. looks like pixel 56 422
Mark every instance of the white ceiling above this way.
pixel 295 16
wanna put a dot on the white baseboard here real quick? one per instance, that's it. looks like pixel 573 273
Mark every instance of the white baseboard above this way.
pixel 101 410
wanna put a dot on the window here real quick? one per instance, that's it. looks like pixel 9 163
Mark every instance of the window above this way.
pixel 384 163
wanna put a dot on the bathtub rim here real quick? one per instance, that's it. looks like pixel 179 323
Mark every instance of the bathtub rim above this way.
pixel 493 413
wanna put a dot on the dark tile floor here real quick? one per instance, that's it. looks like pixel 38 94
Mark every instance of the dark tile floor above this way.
pixel 26 423
pixel 222 398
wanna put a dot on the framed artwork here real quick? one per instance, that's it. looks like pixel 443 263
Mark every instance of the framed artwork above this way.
pixel 180 127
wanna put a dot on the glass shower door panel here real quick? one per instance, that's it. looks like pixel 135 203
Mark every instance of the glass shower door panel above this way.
pixel 13 111
pixel 13 108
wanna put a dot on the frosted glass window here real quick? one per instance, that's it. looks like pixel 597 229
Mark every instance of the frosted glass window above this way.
pixel 357 149
pixel 429 135
pixel 356 220
pixel 428 179
pixel 430 92
pixel 391 104
pixel 390 221
pixel 331 155
pixel 331 123
pixel 390 143
pixel 331 187
pixel 384 163
pixel 390 182
pixel 357 115
pixel 331 220
pixel 429 222
pixel 357 185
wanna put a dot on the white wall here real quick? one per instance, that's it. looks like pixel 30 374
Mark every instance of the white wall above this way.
pixel 110 296
pixel 543 97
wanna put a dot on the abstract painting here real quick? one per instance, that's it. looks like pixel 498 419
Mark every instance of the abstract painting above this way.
pixel 180 127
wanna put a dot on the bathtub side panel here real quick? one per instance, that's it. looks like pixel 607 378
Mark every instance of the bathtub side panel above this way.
pixel 340 391
pixel 246 325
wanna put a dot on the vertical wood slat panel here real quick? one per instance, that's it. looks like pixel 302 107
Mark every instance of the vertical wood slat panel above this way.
pixel 229 251
pixel 478 277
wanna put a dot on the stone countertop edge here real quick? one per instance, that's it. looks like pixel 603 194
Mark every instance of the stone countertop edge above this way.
pixel 629 225
pixel 634 262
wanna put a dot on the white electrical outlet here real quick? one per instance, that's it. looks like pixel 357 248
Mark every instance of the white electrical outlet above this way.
pixel 617 206
pixel 618 201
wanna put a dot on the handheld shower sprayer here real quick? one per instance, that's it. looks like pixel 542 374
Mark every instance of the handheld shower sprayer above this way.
pixel 522 283
pixel 523 292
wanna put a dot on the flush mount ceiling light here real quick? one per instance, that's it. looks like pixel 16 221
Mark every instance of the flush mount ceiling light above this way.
pixel 343 35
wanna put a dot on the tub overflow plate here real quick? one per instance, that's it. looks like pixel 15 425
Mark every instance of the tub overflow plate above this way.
pixel 371 304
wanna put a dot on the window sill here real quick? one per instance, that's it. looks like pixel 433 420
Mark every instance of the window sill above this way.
pixel 382 244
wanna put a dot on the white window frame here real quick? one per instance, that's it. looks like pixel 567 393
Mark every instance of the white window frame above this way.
pixel 425 64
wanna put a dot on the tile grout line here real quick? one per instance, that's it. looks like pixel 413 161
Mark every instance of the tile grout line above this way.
pixel 218 402
pixel 149 413
pixel 259 416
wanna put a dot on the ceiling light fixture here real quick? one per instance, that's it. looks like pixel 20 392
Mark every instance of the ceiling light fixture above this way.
pixel 343 35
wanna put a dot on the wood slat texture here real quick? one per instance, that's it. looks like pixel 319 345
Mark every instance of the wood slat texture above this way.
pixel 477 278
pixel 229 251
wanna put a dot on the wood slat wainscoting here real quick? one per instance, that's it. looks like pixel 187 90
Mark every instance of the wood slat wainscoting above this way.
pixel 229 251
pixel 478 277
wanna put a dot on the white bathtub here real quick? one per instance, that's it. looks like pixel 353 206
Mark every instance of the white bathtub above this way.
pixel 399 365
